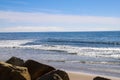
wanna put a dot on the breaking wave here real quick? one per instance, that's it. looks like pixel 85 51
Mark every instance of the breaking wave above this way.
pixel 82 51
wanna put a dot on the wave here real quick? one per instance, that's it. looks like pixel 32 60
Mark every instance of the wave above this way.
pixel 82 41
pixel 13 43
pixel 82 51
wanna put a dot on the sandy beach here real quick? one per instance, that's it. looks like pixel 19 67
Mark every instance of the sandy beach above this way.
pixel 86 76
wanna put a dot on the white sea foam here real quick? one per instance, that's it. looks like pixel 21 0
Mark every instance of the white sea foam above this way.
pixel 12 43
pixel 82 51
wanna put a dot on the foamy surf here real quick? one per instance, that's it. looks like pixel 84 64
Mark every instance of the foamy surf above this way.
pixel 13 43
pixel 81 51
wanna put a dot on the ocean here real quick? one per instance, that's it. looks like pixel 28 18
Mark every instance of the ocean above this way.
pixel 91 52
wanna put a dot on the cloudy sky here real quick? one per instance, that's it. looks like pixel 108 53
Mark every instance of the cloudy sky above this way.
pixel 59 15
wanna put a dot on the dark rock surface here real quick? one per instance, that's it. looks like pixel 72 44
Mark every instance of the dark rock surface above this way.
pixel 100 78
pixel 37 69
pixel 15 61
pixel 55 75
pixel 10 72
pixel 16 69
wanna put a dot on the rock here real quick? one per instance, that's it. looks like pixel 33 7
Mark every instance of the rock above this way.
pixel 37 69
pixel 100 78
pixel 15 61
pixel 55 75
pixel 10 72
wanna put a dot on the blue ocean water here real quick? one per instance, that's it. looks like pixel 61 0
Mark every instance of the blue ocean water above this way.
pixel 87 39
pixel 96 52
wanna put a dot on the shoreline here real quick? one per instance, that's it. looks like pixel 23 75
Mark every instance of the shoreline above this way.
pixel 87 76
pixel 78 75
pixel 79 70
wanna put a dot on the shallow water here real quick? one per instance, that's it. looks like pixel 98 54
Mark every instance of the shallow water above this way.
pixel 65 61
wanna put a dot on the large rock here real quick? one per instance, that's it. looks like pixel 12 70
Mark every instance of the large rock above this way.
pixel 9 72
pixel 100 78
pixel 55 75
pixel 37 69
pixel 15 61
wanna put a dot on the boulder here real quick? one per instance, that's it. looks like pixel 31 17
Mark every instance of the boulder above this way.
pixel 55 75
pixel 100 78
pixel 15 61
pixel 37 69
pixel 10 72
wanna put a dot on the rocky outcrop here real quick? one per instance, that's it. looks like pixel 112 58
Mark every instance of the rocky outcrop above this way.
pixel 55 75
pixel 100 78
pixel 15 61
pixel 37 69
pixel 16 69
pixel 12 72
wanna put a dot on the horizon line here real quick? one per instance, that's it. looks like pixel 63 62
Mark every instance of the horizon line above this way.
pixel 59 31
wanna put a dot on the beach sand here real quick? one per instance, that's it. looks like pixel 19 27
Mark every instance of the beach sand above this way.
pixel 86 76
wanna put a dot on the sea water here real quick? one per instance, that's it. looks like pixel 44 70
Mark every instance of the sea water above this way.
pixel 92 52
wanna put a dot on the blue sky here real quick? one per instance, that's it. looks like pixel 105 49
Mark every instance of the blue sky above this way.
pixel 59 15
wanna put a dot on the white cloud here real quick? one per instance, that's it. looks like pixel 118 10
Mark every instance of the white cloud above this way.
pixel 56 28
pixel 56 18
pixel 16 22
pixel 30 29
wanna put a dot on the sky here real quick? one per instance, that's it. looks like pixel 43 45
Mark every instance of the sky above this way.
pixel 59 15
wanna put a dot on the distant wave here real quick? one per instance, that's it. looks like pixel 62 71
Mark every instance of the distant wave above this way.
pixel 80 41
